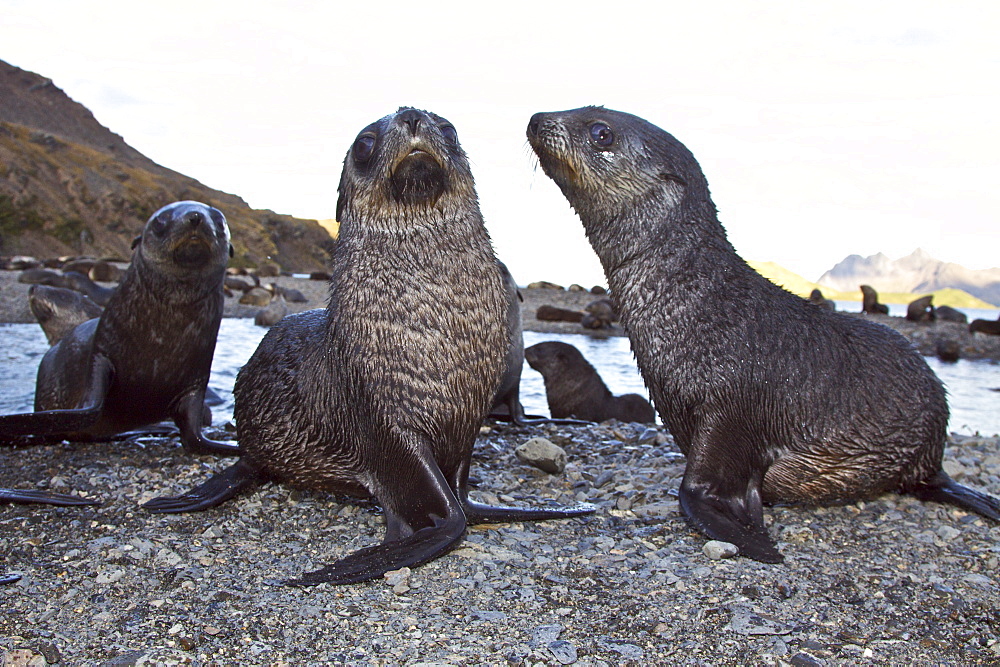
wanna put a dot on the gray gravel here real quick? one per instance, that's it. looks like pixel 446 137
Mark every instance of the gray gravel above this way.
pixel 888 581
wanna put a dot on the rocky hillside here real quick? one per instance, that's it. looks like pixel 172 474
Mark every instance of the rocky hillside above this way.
pixel 70 186
pixel 916 273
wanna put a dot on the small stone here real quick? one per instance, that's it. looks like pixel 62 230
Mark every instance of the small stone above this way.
pixel 948 533
pixel 954 469
pixel 803 659
pixel 563 651
pixel 717 550
pixel 542 454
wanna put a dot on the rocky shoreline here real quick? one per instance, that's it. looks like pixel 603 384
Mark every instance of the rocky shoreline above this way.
pixel 926 336
pixel 887 581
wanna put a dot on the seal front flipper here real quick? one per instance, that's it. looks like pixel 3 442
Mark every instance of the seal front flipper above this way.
pixel 944 489
pixel 23 497
pixel 423 521
pixel 50 422
pixel 218 489
pixel 724 502
pixel 188 417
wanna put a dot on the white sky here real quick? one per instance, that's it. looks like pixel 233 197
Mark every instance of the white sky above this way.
pixel 824 129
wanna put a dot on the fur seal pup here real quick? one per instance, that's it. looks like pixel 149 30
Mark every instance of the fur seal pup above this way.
pixel 921 310
pixel 60 310
pixel 148 356
pixel 507 401
pixel 949 314
pixel 816 297
pixel 573 387
pixel 382 393
pixel 774 403
pixel 991 327
pixel 869 302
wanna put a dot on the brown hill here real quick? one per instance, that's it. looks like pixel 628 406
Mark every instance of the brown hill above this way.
pixel 70 186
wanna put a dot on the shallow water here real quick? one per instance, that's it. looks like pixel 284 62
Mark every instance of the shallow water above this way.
pixel 975 405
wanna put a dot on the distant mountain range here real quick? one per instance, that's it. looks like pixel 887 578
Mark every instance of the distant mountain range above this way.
pixel 70 186
pixel 917 273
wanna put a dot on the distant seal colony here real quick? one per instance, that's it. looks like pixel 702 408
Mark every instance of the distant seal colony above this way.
pixel 147 357
pixel 383 392
pixel 779 402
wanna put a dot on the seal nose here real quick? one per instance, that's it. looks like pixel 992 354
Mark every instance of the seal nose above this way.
pixel 411 117
pixel 534 124
pixel 194 218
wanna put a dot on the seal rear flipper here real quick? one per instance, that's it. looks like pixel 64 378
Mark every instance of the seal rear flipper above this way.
pixel 218 489
pixel 737 518
pixel 51 422
pixel 23 497
pixel 943 489
pixel 423 521
pixel 476 513
pixel 372 562
pixel 188 417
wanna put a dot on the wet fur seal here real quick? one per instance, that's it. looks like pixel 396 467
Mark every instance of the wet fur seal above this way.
pixel 816 297
pixel 921 310
pixel 147 357
pixel 60 310
pixel 869 302
pixel 991 327
pixel 507 401
pixel 949 314
pixel 773 403
pixel 573 387
pixel 383 392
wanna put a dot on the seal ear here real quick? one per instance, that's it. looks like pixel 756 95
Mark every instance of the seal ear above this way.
pixel 674 178
pixel 136 241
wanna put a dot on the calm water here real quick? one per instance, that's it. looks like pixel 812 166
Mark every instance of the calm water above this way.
pixel 975 406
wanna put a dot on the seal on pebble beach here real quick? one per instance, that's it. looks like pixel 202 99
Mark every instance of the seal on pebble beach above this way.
pixel 775 402
pixel 147 357
pixel 573 387
pixel 383 392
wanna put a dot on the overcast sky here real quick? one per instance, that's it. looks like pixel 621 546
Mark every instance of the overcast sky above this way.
pixel 824 129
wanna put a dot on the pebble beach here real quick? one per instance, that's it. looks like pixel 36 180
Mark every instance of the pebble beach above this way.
pixel 888 581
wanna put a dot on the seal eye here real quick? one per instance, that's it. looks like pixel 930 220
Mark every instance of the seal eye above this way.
pixel 364 146
pixel 601 135
pixel 449 133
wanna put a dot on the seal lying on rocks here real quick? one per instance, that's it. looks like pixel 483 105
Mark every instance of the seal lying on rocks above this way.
pixel 382 393
pixel 573 387
pixel 778 402
pixel 147 357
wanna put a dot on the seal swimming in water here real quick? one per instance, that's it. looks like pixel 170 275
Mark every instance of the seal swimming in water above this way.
pixel 573 388
pixel 382 393
pixel 147 357
pixel 774 403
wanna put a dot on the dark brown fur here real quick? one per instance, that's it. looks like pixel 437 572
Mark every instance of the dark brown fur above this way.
pixel 770 398
pixel 574 388
pixel 869 302
pixel 382 393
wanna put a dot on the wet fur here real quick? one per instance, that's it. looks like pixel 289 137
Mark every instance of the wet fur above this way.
pixel 573 387
pixel 770 398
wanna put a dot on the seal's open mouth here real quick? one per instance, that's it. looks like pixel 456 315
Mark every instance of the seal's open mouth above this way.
pixel 418 177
